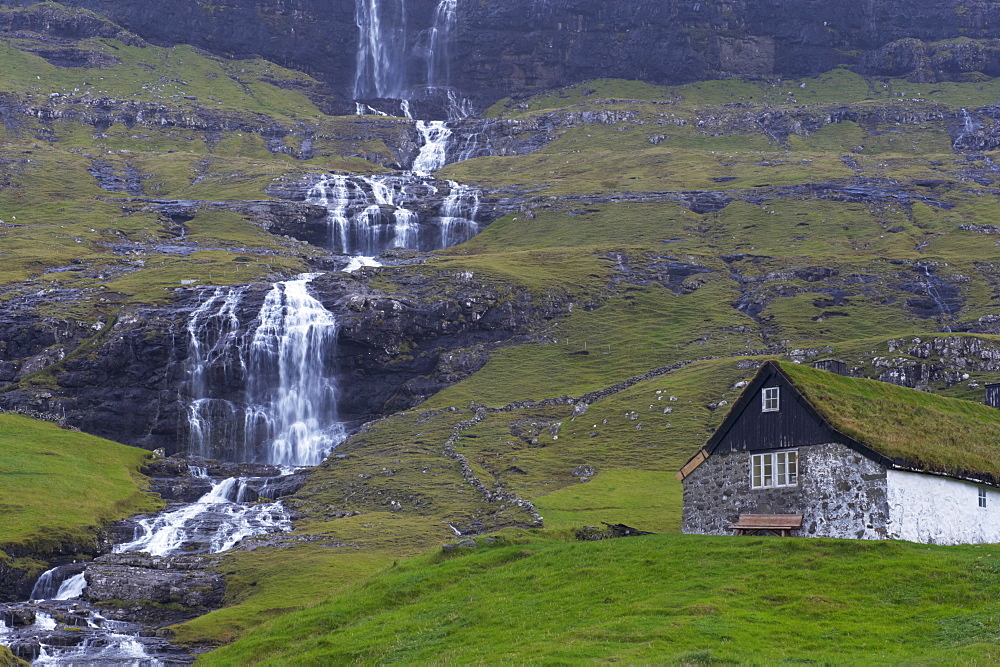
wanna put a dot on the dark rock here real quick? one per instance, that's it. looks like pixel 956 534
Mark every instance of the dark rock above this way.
pixel 467 543
pixel 185 580
pixel 505 48
pixel 610 531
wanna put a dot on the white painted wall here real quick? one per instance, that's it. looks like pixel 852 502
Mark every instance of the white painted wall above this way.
pixel 940 510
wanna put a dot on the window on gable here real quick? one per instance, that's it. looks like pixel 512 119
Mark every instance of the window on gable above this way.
pixel 982 497
pixel 774 469
pixel 769 399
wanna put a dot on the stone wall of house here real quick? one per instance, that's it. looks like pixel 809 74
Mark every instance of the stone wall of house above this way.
pixel 941 510
pixel 840 494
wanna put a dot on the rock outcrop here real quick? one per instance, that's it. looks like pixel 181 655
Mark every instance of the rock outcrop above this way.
pixel 394 350
pixel 510 47
pixel 187 581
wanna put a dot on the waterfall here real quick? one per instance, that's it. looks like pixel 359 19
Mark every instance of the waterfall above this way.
pixel 458 214
pixel 370 214
pixel 458 108
pixel 434 151
pixel 216 522
pixel 438 53
pixel 286 413
pixel 49 586
pixel 72 587
pixel 968 132
pixel 213 343
pixel 44 588
pixel 358 262
pixel 933 294
pixel 381 58
pixel 291 392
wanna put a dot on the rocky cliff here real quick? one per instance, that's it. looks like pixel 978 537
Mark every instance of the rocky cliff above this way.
pixel 398 344
pixel 500 49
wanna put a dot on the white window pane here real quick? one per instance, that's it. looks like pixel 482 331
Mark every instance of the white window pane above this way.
pixel 780 468
pixel 768 470
pixel 756 481
pixel 793 468
pixel 769 399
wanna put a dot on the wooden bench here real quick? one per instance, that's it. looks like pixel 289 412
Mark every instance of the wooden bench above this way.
pixel 777 524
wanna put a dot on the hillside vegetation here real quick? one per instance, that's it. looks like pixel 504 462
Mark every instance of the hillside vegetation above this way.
pixel 694 232
pixel 664 599
pixel 61 488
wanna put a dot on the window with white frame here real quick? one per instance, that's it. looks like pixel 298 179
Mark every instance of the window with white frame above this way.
pixel 774 469
pixel 769 399
pixel 982 497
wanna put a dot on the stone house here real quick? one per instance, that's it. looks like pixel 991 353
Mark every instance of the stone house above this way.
pixel 857 458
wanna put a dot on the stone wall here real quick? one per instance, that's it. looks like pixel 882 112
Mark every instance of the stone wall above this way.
pixel 840 494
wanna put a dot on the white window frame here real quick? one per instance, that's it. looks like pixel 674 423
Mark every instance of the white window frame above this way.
pixel 774 469
pixel 982 497
pixel 770 399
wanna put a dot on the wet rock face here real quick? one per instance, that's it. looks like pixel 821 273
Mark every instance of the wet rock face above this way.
pixel 184 580
pixel 504 48
pixel 393 351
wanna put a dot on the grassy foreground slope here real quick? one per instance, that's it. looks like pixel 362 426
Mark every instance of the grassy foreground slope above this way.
pixel 8 659
pixel 837 215
pixel 59 487
pixel 670 598
pixel 864 237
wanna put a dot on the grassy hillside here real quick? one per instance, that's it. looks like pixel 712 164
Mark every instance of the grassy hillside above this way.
pixel 60 487
pixel 664 599
pixel 695 230
pixel 785 259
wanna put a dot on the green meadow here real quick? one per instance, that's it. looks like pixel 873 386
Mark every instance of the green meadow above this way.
pixel 697 229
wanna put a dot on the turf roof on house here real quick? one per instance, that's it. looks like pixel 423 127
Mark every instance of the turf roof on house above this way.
pixel 929 432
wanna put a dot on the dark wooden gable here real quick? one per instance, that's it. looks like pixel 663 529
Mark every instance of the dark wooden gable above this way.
pixel 796 424
pixel 748 428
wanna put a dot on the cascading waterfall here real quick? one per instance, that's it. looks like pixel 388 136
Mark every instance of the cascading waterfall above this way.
pixel 44 588
pixel 51 585
pixel 458 214
pixel 369 214
pixel 287 412
pixel 291 392
pixel 216 522
pixel 213 337
pixel 384 68
pixel 434 152
pixel 381 57
pixel 72 587
pixel 967 133
pixel 438 53
pixel 932 292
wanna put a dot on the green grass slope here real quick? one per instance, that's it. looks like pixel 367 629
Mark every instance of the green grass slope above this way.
pixel 659 599
pixel 61 487
pixel 697 223
pixel 782 266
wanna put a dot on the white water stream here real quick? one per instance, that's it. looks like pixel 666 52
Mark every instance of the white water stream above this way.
pixel 291 391
pixel 216 522
pixel 434 151
pixel 369 214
